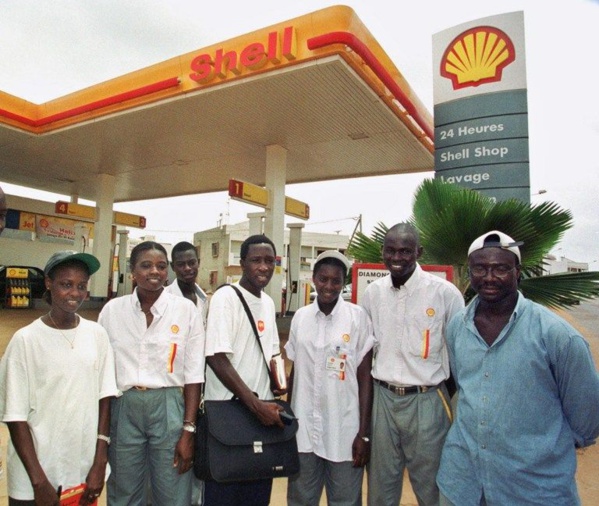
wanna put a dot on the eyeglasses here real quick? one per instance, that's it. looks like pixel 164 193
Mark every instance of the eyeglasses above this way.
pixel 499 271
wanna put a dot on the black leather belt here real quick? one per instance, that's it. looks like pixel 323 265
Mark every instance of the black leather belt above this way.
pixel 398 390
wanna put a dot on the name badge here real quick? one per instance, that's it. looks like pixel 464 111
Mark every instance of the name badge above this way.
pixel 337 364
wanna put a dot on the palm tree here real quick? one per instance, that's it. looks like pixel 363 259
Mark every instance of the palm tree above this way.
pixel 449 218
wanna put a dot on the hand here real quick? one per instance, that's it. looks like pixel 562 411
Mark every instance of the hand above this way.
pixel 268 413
pixel 360 451
pixel 94 482
pixel 45 494
pixel 184 452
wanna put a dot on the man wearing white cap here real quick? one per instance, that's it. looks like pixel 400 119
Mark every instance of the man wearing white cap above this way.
pixel 411 413
pixel 528 392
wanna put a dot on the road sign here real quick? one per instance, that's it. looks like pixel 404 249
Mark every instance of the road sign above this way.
pixel 297 208
pixel 253 194
pixel 128 220
pixel 248 192
pixel 75 210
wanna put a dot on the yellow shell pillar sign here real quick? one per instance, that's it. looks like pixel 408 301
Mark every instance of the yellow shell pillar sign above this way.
pixel 481 111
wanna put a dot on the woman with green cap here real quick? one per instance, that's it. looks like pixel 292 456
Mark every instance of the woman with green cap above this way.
pixel 56 380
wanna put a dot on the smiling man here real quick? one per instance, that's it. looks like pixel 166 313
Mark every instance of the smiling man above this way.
pixel 235 358
pixel 411 413
pixel 528 392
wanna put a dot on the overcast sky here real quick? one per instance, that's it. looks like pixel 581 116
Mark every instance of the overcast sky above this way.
pixel 54 47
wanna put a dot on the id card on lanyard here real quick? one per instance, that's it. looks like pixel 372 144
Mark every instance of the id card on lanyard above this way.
pixel 336 363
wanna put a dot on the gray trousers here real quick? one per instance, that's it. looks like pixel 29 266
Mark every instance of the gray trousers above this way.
pixel 407 432
pixel 342 481
pixel 145 427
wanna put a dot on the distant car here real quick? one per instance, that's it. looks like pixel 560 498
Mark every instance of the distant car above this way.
pixel 345 293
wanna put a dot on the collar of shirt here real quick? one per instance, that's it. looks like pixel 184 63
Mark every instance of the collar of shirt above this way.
pixel 157 308
pixel 471 310
pixel 411 284
pixel 336 309
pixel 176 289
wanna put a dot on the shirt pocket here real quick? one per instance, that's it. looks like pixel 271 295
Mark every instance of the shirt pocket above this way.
pixel 166 354
pixel 425 336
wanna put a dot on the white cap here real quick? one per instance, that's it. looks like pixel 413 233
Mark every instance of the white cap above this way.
pixel 331 253
pixel 496 239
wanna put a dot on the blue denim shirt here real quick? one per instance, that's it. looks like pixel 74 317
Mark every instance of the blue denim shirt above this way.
pixel 524 403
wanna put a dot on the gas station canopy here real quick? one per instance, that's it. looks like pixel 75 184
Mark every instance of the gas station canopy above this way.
pixel 319 86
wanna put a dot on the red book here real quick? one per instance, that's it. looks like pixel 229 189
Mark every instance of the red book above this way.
pixel 71 496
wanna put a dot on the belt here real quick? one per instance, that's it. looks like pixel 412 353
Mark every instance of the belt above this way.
pixel 396 389
pixel 143 389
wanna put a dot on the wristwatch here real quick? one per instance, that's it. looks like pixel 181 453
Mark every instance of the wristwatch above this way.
pixel 189 427
pixel 102 437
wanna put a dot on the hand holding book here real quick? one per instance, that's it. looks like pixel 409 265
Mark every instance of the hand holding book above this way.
pixel 278 375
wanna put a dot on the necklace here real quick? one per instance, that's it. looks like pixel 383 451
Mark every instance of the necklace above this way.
pixel 70 341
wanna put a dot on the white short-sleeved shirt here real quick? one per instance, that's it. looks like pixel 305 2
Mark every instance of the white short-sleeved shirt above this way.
pixel 56 390
pixel 229 331
pixel 325 399
pixel 168 353
pixel 201 297
pixel 409 327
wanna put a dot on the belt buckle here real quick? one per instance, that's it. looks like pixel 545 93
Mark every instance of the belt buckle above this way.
pixel 400 390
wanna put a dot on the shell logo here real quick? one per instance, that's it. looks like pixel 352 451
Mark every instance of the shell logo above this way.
pixel 430 312
pixel 477 56
pixel 175 329
pixel 261 326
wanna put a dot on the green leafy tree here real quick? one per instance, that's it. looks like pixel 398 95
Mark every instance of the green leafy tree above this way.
pixel 449 218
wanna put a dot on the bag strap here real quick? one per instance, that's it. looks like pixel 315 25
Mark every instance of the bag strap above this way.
pixel 248 312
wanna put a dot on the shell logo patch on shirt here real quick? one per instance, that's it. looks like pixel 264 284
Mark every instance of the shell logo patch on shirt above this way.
pixel 175 329
pixel 346 338
pixel 261 325
pixel 430 312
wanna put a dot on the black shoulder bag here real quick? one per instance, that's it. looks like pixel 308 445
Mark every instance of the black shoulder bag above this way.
pixel 232 445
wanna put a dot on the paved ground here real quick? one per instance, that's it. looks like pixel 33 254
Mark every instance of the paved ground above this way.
pixel 584 317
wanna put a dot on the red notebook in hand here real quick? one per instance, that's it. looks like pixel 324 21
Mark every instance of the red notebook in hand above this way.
pixel 71 496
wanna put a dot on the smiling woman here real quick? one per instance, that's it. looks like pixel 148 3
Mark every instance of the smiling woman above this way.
pixel 67 363
pixel 330 344
pixel 158 341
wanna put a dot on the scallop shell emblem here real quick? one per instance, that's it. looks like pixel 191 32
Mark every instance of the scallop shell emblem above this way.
pixel 477 56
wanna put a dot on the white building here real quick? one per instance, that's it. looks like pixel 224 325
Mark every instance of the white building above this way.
pixel 219 248
pixel 554 265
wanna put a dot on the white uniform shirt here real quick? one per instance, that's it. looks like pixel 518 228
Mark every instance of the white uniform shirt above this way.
pixel 229 331
pixel 168 353
pixel 325 399
pixel 201 297
pixel 409 327
pixel 56 389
